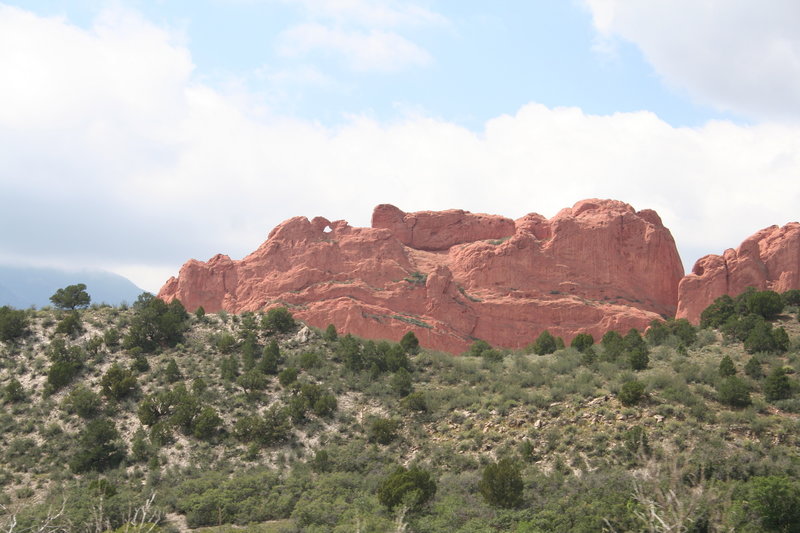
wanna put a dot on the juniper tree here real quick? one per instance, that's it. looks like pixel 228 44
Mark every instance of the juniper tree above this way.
pixel 501 484
pixel 71 297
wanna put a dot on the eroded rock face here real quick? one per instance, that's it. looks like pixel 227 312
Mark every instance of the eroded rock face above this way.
pixel 440 230
pixel 767 260
pixel 453 276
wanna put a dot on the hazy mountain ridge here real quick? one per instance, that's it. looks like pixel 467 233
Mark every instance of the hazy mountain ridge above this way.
pixel 22 287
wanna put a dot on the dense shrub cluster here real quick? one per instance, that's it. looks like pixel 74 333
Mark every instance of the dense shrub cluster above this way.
pixel 631 392
pixel 582 342
pixel 545 343
pixel 267 429
pixel 746 319
pixel 212 499
pixel 734 391
pixel 679 331
pixel 118 382
pixel 177 408
pixel 481 348
pixel 13 323
pixel 765 304
pixel 156 324
pixel 377 358
pixel 278 320
pixel 501 484
pixel 99 447
pixel 413 487
pixel 67 362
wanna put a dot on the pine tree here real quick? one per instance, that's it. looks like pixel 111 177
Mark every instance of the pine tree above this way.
pixel 330 334
pixel 753 368
pixel 545 343
pixel 172 373
pixel 410 343
pixel 501 484
pixel 777 386
pixel 582 342
pixel 613 345
pixel 726 367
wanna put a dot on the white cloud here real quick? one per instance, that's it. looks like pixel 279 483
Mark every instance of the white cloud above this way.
pixel 374 13
pixel 736 55
pixel 366 34
pixel 374 50
pixel 298 75
pixel 115 157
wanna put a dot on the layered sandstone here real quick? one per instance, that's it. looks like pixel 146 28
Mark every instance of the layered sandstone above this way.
pixel 454 276
pixel 767 260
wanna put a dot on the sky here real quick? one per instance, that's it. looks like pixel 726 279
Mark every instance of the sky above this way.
pixel 137 134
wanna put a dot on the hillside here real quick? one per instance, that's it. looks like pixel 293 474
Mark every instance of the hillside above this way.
pixel 147 413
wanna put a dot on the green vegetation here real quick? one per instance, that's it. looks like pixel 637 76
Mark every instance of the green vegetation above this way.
pixel 417 278
pixel 613 345
pixel 773 503
pixel 766 304
pixel 98 447
pixel 582 342
pixel 13 391
pixel 777 385
pixel 412 487
pixel 671 332
pixel 734 391
pixel 483 349
pixel 726 367
pixel 71 297
pixel 70 325
pixel 631 392
pixel 152 415
pixel 83 401
pixel 501 484
pixel 545 344
pixel 753 368
pixel 13 324
pixel 118 382
pixel 330 335
pixel 791 297
pixel 409 343
pixel 383 430
pixel 156 324
pixel 636 349
pixel 278 320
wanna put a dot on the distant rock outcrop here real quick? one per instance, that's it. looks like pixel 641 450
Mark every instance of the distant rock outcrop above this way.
pixel 453 276
pixel 769 259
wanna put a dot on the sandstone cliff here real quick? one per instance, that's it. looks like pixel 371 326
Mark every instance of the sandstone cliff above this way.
pixel 769 259
pixel 453 276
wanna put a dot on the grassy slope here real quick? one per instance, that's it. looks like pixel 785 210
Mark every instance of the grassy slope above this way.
pixel 559 419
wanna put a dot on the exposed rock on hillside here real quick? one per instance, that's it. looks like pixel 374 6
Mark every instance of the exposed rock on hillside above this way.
pixel 454 276
pixel 769 259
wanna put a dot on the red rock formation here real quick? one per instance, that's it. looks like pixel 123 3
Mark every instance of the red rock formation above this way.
pixel 440 230
pixel 454 276
pixel 767 260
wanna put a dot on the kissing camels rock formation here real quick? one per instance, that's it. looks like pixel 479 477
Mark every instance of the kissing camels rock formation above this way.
pixel 453 276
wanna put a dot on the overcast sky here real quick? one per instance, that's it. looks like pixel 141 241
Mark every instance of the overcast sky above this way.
pixel 137 134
